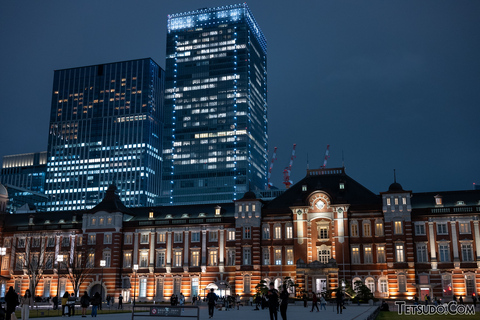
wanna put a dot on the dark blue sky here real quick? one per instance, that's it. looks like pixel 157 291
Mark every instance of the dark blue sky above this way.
pixel 392 84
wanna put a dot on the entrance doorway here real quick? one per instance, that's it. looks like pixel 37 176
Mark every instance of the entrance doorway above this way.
pixel 320 285
pixel 423 293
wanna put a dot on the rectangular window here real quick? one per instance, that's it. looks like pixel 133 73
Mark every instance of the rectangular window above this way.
pixel 92 239
pixel 246 284
pixel 464 227
pixel 51 242
pixel 162 236
pixel 247 256
pixel 289 254
pixel 20 261
pixel 447 285
pixel 324 254
pixel 383 286
pixel 6 263
pixel 178 237
pixel 396 201
pixel 177 259
pixel 107 256
pixel 46 288
pixel 389 202
pixel 422 253
pixel 128 239
pixel 266 256
pixel 444 250
pixel 127 260
pixel 404 201
pixel 159 288
pixel 399 253
pixel 230 257
pixel 65 241
pixel 278 257
pixel 212 258
pixel 289 232
pixel 467 252
pixel 213 236
pixel 143 259
pixel 379 229
pixel 247 232
pixel 231 235
pixel 402 283
pixel 160 259
pixel 194 288
pixel 142 292
pixel 90 260
pixel 355 255
pixel 398 227
pixel 442 228
pixel 107 238
pixel 354 228
pixel 367 232
pixel 368 257
pixel 322 233
pixel 277 232
pixel 79 241
pixel 144 238
pixel 196 236
pixel 420 229
pixel 266 232
pixel 195 259
pixel 36 242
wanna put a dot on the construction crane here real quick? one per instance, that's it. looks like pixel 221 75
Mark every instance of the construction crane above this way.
pixel 286 173
pixel 274 157
pixel 326 157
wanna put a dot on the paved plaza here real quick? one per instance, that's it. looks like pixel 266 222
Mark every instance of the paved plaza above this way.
pixel 248 313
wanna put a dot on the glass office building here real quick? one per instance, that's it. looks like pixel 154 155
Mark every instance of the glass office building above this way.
pixel 105 126
pixel 25 171
pixel 215 144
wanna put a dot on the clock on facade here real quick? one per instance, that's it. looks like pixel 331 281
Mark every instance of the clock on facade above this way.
pixel 320 204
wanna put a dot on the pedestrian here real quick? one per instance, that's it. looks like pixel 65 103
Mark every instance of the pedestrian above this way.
pixel 304 299
pixel 314 301
pixel 55 303
pixel 238 301
pixel 460 300
pixel 416 301
pixel 474 298
pixel 11 300
pixel 95 303
pixel 272 296
pixel 284 304
pixel 26 304
pixel 65 310
pixel 323 303
pixel 120 302
pixel 181 301
pixel 84 302
pixel 339 300
pixel 108 300
pixel 212 300
pixel 71 304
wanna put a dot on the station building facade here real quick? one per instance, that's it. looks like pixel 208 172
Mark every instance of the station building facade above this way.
pixel 325 230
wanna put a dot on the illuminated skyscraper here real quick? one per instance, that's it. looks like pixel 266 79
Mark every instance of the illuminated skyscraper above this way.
pixel 105 126
pixel 215 144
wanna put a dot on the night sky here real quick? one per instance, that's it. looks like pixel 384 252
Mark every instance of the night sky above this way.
pixel 390 84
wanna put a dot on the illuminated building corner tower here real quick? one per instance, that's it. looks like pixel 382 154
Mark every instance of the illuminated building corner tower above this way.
pixel 215 143
pixel 105 125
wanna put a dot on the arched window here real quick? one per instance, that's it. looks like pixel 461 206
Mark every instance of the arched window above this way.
pixel 370 283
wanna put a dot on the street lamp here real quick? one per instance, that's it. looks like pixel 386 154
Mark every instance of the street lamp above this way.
pixel 103 263
pixel 59 261
pixel 135 268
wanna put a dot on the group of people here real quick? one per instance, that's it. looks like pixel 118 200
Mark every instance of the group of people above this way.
pixel 176 300
pixel 316 298
pixel 68 304
pixel 12 301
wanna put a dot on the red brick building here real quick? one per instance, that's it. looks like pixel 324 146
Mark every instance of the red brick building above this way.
pixel 322 231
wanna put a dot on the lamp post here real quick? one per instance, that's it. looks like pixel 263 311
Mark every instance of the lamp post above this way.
pixel 59 261
pixel 103 263
pixel 135 268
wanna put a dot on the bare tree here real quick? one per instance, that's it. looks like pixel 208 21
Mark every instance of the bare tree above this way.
pixel 79 266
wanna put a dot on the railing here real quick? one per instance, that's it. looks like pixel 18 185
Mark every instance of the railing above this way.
pixel 321 172
pixel 140 310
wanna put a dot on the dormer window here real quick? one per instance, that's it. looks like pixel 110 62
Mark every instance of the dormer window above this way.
pixel 404 201
pixel 247 207
pixel 240 208
pixel 396 201
pixel 342 186
pixel 438 200
pixel 389 202
pixel 304 187
pixel 150 215
pixel 460 203
pixel 253 207
pixel 217 210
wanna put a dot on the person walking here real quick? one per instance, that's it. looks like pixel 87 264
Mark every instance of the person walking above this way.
pixel 304 299
pixel 211 299
pixel 65 310
pixel 323 303
pixel 272 296
pixel 120 302
pixel 284 304
pixel 95 303
pixel 26 304
pixel 314 301
pixel 71 304
pixel 84 303
pixel 339 300
pixel 11 300
pixel 181 301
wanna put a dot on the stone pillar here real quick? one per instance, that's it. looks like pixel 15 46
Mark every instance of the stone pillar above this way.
pixel 169 251
pixel 186 251
pixel 431 240
pixel 476 231
pixel 135 248
pixel 204 250
pixel 151 264
pixel 456 260
pixel 221 249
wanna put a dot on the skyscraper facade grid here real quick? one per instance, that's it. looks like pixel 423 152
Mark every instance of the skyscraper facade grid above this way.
pixel 215 143
pixel 105 126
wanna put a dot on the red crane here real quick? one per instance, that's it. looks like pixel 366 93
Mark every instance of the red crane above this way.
pixel 274 157
pixel 326 157
pixel 286 173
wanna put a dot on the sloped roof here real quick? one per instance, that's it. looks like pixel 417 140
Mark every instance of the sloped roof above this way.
pixel 327 180
pixel 111 202
pixel 449 198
